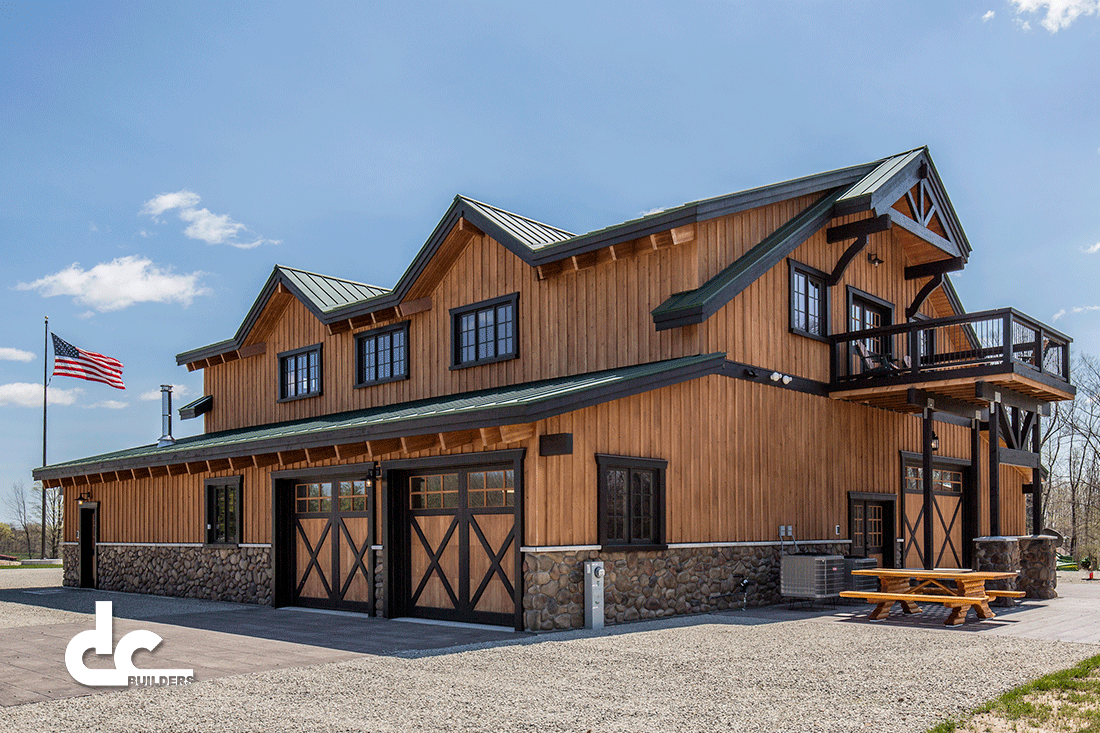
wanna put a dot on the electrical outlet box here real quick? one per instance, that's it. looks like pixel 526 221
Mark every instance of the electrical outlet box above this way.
pixel 781 530
pixel 838 530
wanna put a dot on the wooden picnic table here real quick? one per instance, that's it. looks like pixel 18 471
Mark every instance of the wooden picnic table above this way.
pixel 959 590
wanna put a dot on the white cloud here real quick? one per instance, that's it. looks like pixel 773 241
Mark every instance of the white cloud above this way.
pixel 1093 249
pixel 25 394
pixel 178 390
pixel 202 224
pixel 650 212
pixel 988 16
pixel 1076 309
pixel 146 233
pixel 9 354
pixel 112 286
pixel 107 405
pixel 92 227
pixel 1059 13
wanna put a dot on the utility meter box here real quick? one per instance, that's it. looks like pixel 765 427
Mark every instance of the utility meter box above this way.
pixel 593 594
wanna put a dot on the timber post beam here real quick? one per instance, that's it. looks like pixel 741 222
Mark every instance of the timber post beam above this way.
pixel 846 259
pixel 926 481
pixel 922 296
pixel 989 392
pixel 857 229
pixel 929 269
pixel 994 468
pixel 940 403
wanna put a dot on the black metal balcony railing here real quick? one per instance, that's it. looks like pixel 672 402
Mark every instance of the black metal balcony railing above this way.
pixel 986 342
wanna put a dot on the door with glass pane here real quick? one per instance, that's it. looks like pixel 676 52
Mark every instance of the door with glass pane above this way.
pixel 334 531
pixel 871 526
pixel 948 483
pixel 461 542
pixel 865 314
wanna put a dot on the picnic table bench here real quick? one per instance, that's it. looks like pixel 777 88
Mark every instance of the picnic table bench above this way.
pixel 910 587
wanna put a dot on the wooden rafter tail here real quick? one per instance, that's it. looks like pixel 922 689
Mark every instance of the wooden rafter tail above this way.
pixel 417 443
pixel 384 447
pixel 517 433
pixel 353 450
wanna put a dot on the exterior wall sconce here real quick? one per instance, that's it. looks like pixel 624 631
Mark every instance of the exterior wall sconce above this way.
pixel 776 376
pixel 84 496
pixel 373 474
pixel 935 442
pixel 874 259
pixel 787 378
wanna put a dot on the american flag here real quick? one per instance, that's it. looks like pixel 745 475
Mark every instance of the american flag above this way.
pixel 70 361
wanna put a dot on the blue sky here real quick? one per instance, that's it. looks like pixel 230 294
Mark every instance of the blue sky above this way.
pixel 160 158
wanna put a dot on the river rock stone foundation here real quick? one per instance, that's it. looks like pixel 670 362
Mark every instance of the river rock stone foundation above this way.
pixel 651 584
pixel 241 574
pixel 1039 566
pixel 999 555
pixel 70 562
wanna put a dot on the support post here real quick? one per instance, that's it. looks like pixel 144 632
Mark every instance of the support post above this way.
pixel 1036 481
pixel 995 409
pixel 972 508
pixel 926 475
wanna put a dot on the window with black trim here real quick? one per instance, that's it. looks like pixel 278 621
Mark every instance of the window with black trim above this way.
pixel 300 373
pixel 485 332
pixel 809 301
pixel 631 501
pixel 382 355
pixel 223 511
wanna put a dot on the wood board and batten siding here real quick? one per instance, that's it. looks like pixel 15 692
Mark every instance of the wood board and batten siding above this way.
pixel 742 458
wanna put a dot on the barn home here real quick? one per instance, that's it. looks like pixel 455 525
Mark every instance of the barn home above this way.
pixel 664 394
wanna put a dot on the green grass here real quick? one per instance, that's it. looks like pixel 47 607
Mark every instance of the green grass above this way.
pixel 1075 689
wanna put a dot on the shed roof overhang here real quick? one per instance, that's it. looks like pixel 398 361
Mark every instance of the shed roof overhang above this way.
pixel 392 428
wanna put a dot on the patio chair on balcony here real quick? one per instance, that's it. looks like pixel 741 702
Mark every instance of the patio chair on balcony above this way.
pixel 874 363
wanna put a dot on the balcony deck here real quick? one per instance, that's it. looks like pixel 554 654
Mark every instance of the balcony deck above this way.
pixel 949 357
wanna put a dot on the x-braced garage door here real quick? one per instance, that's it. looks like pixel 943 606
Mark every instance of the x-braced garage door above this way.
pixel 462 555
pixel 947 517
pixel 333 533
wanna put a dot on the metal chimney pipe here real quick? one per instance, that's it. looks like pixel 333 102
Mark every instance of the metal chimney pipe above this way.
pixel 166 416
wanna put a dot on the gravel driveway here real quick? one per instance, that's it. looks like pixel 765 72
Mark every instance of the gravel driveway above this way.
pixel 719 672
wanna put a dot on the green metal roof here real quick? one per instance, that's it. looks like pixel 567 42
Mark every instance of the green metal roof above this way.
pixel 695 306
pixel 328 293
pixel 532 233
pixel 521 403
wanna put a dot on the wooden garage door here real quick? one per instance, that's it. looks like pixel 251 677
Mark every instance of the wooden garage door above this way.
pixel 947 517
pixel 334 531
pixel 462 534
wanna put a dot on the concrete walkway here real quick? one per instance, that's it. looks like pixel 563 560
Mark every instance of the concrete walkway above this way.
pixel 215 639
pixel 224 639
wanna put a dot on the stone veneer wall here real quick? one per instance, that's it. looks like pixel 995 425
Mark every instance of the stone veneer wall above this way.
pixel 379 577
pixel 1039 566
pixel 241 574
pixel 70 562
pixel 651 584
pixel 1000 555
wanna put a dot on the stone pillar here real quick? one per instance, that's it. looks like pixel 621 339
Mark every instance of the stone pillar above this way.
pixel 998 555
pixel 1039 566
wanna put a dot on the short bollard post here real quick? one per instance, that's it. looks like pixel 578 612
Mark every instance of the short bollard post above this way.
pixel 593 594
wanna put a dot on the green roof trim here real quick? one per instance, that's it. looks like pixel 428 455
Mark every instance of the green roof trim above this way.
pixel 521 403
pixel 695 306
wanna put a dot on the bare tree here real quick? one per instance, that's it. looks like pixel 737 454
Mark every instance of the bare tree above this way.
pixel 55 506
pixel 16 503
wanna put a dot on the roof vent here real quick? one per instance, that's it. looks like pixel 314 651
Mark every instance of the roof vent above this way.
pixel 166 416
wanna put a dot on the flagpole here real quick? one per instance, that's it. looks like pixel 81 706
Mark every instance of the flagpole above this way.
pixel 45 366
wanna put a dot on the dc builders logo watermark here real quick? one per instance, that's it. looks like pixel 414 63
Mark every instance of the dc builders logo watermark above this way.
pixel 124 674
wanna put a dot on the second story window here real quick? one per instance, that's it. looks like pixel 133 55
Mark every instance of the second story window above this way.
pixel 809 304
pixel 382 355
pixel 300 373
pixel 486 332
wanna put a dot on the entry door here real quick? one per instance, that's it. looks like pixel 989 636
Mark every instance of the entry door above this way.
pixel 872 527
pixel 89 538
pixel 334 531
pixel 461 540
pixel 947 517
pixel 866 314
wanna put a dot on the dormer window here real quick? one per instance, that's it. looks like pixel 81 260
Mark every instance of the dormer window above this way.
pixel 382 355
pixel 485 332
pixel 300 373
